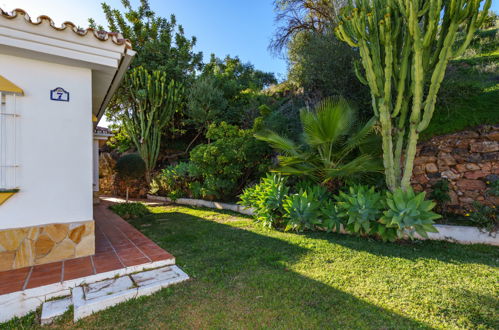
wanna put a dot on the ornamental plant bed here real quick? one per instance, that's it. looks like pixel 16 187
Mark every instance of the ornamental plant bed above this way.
pixel 451 233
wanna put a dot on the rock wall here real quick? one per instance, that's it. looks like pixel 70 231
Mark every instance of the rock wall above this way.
pixel 467 159
pixel 23 247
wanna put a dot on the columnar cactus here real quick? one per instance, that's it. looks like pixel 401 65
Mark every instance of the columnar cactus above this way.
pixel 405 46
pixel 150 109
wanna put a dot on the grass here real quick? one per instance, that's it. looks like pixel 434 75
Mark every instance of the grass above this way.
pixel 244 276
pixel 469 93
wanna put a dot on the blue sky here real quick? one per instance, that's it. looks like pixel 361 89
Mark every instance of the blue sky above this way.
pixel 224 27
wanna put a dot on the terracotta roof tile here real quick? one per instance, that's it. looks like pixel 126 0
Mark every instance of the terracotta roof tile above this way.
pixel 116 38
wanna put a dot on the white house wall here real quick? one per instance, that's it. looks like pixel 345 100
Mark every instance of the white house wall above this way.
pixel 54 146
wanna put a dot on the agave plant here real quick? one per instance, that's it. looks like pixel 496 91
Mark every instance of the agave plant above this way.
pixel 333 148
pixel 409 213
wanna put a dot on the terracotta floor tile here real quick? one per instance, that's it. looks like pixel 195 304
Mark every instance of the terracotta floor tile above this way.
pixel 45 275
pixel 13 280
pixel 76 268
pixel 135 262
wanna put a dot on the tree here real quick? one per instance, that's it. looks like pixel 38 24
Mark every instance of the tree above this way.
pixel 321 65
pixel 405 47
pixel 295 16
pixel 333 151
pixel 148 111
pixel 160 43
pixel 240 84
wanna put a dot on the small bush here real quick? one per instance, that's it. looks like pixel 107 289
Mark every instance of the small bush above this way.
pixel 440 193
pixel 130 166
pixel 232 158
pixel 484 217
pixel 173 182
pixel 130 210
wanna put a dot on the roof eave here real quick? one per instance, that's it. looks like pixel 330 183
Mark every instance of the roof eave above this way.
pixel 118 77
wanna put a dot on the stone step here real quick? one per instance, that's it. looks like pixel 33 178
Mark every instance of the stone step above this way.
pixel 98 296
pixel 53 309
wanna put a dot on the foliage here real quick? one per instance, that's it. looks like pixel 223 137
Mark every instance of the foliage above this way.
pixel 229 90
pixel 333 149
pixel 173 182
pixel 408 213
pixel 470 89
pixel 330 216
pixel 130 166
pixel 321 65
pixel 493 186
pixel 302 211
pixel 160 44
pixel 149 109
pixel 484 216
pixel 361 208
pixel 297 16
pixel 267 198
pixel 405 47
pixel 440 193
pixel 130 210
pixel 206 102
pixel 224 165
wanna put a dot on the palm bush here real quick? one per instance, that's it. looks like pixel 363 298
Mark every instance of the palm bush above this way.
pixel 333 149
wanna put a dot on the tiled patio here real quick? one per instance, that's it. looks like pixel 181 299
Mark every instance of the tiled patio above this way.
pixel 118 245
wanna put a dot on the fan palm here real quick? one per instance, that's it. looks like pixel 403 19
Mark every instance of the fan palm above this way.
pixel 333 146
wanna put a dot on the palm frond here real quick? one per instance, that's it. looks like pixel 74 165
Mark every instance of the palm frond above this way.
pixel 361 164
pixel 280 143
pixel 330 120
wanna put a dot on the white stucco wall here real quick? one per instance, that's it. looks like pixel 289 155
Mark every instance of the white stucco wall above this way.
pixel 54 145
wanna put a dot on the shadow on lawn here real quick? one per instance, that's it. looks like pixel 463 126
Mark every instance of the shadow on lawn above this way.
pixel 241 279
pixel 448 252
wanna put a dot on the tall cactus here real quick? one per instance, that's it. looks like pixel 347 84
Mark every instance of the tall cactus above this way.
pixel 149 110
pixel 405 46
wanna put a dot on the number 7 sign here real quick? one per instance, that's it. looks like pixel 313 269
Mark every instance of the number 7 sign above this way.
pixel 59 94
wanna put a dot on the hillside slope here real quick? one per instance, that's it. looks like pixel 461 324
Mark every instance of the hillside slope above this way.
pixel 469 95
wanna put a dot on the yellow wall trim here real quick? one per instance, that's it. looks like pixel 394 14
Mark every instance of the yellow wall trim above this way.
pixel 6 86
pixel 4 195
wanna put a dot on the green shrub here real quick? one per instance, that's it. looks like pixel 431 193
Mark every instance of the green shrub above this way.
pixel 484 217
pixel 130 166
pixel 493 185
pixel 360 208
pixel 440 193
pixel 173 182
pixel 130 210
pixel 267 199
pixel 409 213
pixel 232 158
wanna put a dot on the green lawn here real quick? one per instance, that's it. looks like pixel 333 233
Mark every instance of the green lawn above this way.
pixel 244 276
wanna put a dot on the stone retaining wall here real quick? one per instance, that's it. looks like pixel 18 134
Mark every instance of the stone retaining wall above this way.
pixel 23 247
pixel 467 159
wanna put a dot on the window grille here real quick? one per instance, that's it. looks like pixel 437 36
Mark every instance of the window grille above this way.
pixel 8 142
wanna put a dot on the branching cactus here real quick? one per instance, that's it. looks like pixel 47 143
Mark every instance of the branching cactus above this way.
pixel 153 101
pixel 405 46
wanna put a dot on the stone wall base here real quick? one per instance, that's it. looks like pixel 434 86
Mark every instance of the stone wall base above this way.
pixel 23 247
